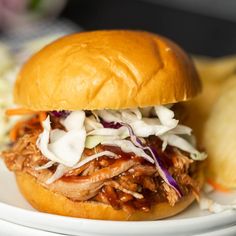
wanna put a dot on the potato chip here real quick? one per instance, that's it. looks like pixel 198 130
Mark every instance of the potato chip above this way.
pixel 215 69
pixel 220 137
pixel 214 74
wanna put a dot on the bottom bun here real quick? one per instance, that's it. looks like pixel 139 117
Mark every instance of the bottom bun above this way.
pixel 45 200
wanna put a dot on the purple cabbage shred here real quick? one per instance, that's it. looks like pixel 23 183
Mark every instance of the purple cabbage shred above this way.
pixel 149 150
pixel 60 114
pixel 111 125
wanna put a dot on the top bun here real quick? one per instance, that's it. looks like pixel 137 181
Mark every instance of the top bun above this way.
pixel 106 69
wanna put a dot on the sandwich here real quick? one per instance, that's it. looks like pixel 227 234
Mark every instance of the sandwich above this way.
pixel 102 134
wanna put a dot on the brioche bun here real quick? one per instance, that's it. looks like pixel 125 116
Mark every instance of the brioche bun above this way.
pixel 45 200
pixel 106 69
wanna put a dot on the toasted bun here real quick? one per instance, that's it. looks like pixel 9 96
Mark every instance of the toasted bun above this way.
pixel 45 200
pixel 106 69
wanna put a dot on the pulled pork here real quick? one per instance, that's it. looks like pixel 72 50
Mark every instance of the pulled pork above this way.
pixel 127 182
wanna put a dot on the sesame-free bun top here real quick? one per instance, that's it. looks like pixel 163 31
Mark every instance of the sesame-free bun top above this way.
pixel 106 69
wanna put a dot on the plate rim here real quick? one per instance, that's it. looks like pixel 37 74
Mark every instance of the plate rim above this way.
pixel 38 220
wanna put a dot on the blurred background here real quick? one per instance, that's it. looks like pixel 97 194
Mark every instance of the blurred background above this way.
pixel 205 27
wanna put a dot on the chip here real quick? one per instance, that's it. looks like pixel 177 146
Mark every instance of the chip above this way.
pixel 219 137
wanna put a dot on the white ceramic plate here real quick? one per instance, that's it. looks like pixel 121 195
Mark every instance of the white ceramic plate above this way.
pixel 15 209
pixel 10 229
pixel 229 231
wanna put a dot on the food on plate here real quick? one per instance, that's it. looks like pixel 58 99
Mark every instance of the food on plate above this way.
pixel 209 114
pixel 213 73
pixel 220 137
pixel 215 69
pixel 104 137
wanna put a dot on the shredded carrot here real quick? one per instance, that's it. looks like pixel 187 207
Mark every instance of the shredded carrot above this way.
pixel 19 111
pixel 42 116
pixel 14 131
pixel 218 186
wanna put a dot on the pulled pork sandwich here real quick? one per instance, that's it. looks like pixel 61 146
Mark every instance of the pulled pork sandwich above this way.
pixel 100 139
